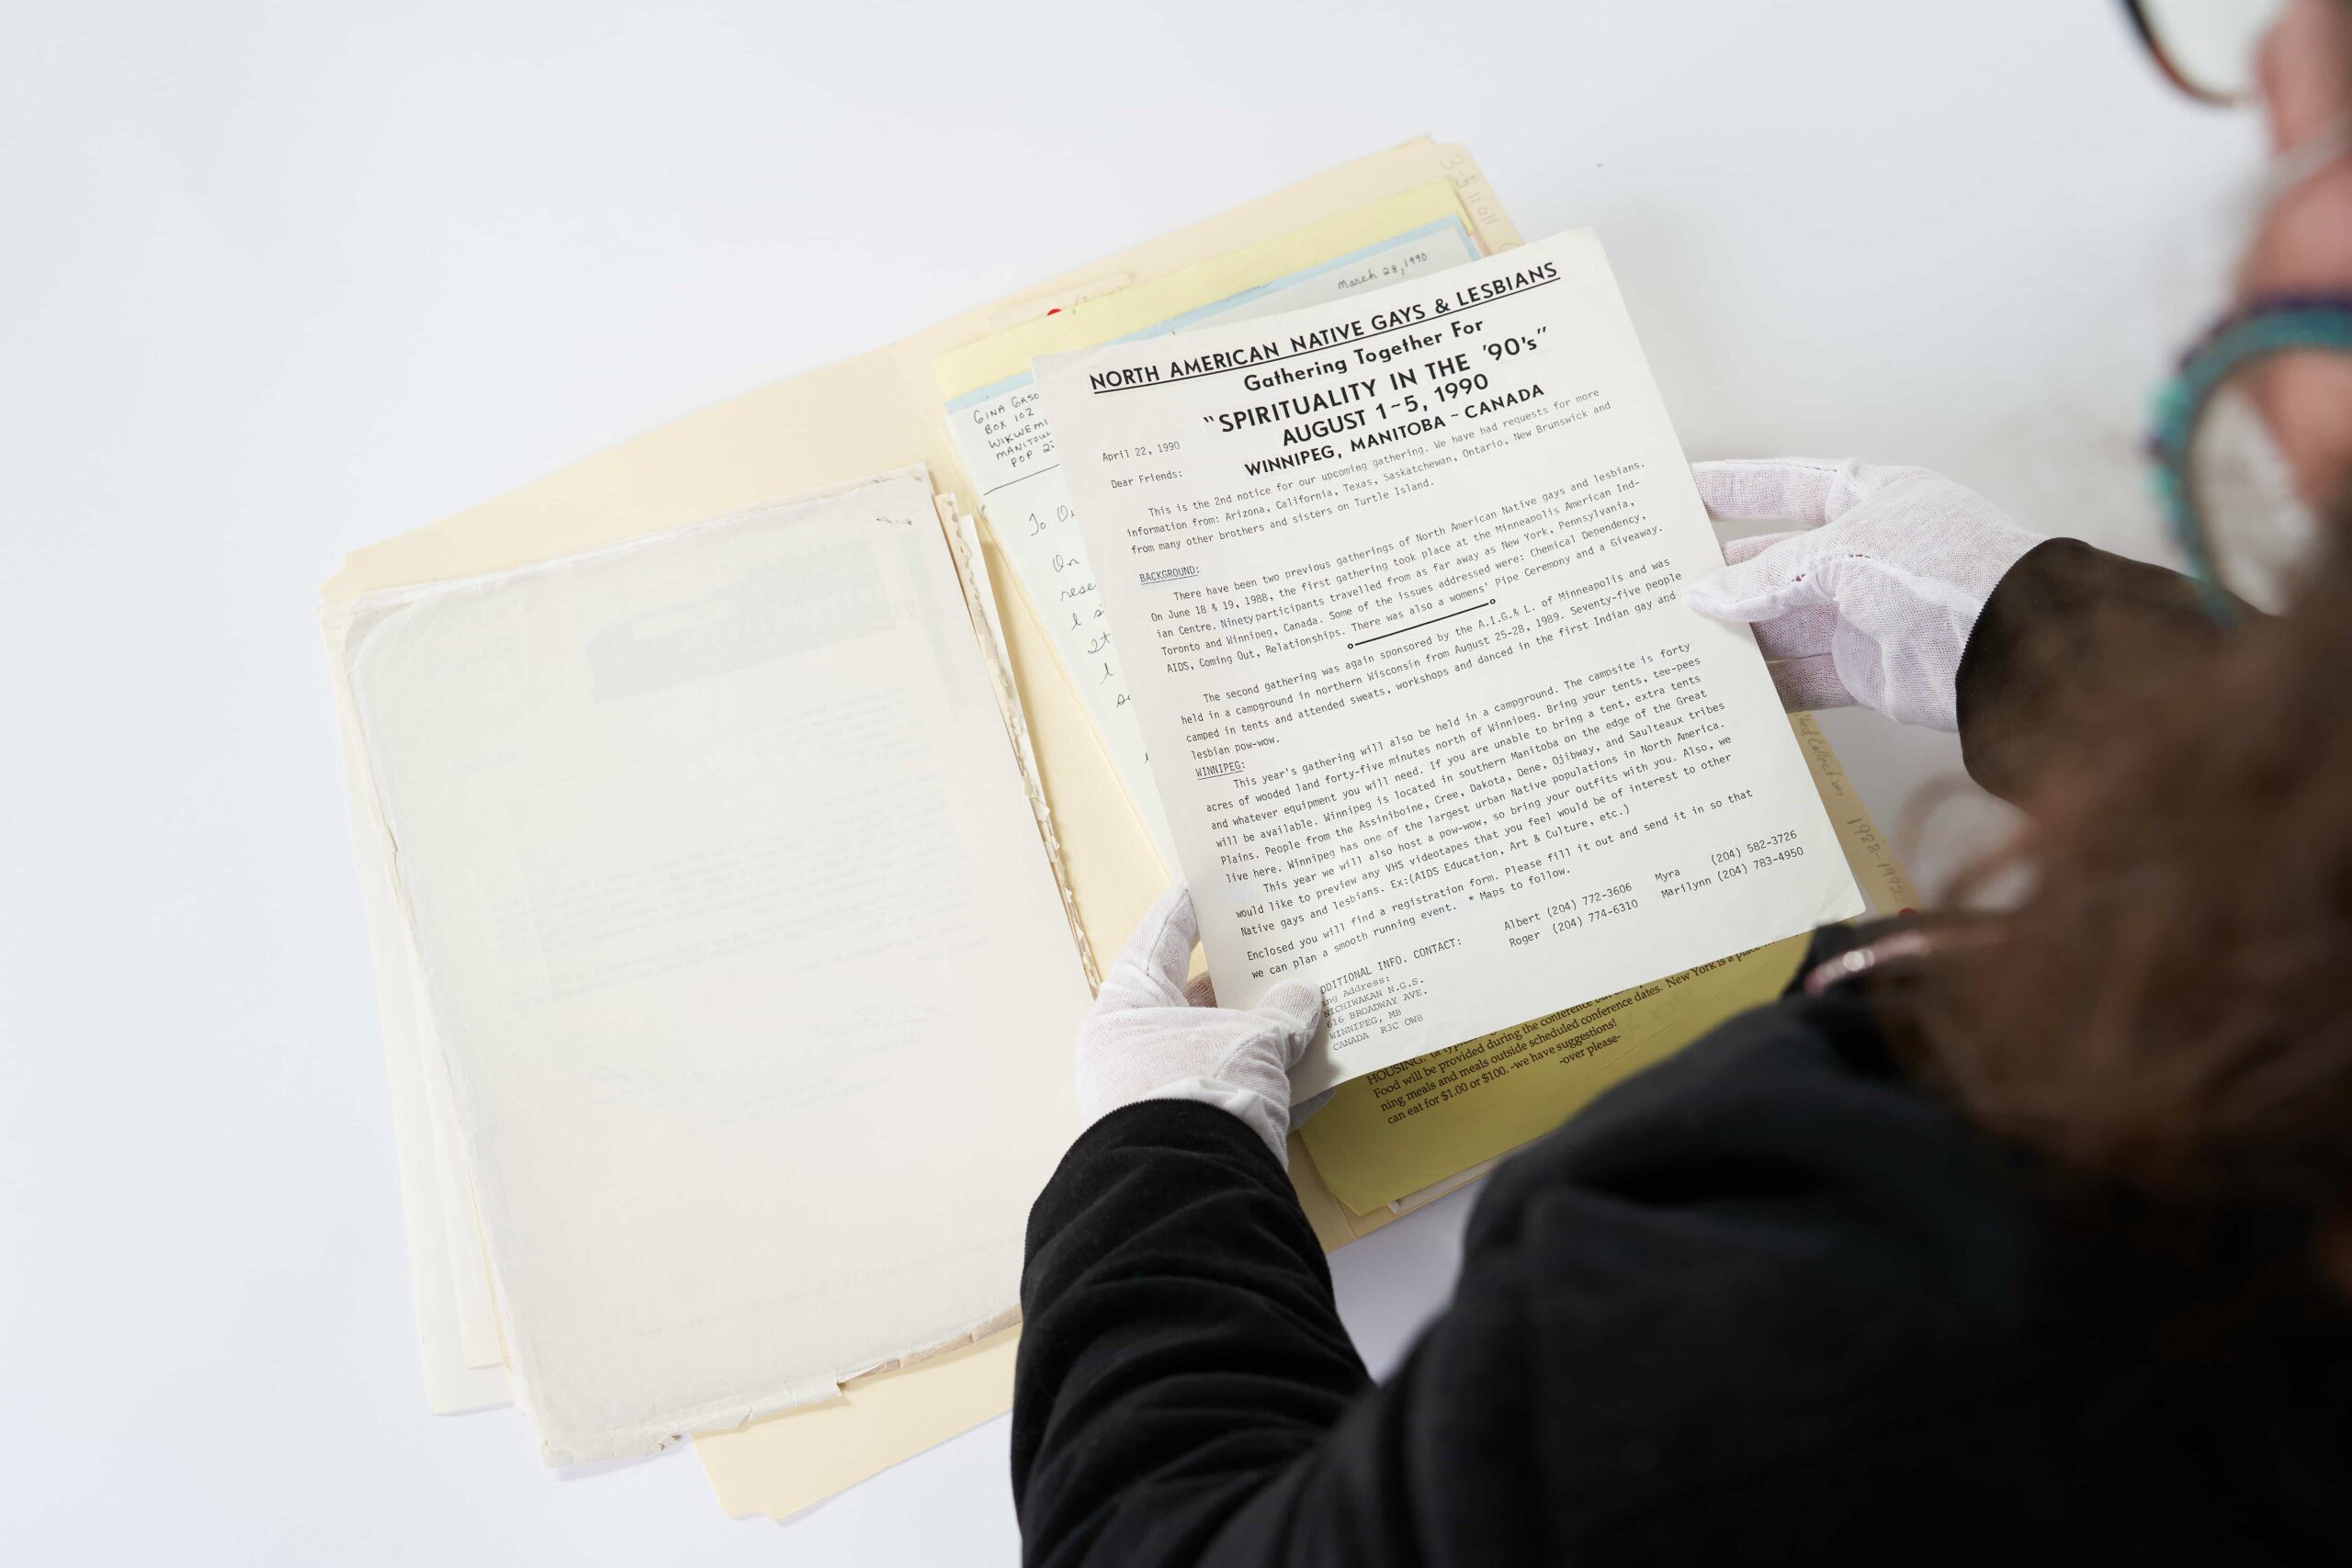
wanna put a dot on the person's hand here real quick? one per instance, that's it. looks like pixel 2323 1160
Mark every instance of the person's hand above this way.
pixel 1869 601
pixel 1150 1038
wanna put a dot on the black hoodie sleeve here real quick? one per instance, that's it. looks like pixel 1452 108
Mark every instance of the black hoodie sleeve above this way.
pixel 2067 621
pixel 1749 1295
pixel 1181 1348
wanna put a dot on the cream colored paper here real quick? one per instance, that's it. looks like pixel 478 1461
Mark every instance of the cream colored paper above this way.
pixel 478 1332
pixel 788 1462
pixel 751 980
pixel 1397 585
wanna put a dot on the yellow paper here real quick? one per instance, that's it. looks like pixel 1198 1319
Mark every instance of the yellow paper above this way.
pixel 788 1462
pixel 1408 1127
pixel 1334 1223
pixel 1868 854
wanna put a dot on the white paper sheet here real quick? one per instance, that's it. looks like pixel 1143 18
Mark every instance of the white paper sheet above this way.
pixel 450 1294
pixel 752 986
pixel 1025 498
pixel 478 1332
pixel 1395 583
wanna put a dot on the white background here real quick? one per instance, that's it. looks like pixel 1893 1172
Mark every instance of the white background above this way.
pixel 278 280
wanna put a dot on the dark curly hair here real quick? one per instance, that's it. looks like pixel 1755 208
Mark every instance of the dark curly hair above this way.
pixel 2168 1010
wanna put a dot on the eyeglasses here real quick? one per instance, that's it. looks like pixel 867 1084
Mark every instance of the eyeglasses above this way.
pixel 2207 47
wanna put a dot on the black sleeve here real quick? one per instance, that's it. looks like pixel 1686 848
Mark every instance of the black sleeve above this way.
pixel 1763 1301
pixel 2066 623
pixel 1180 1346
pixel 1686 1322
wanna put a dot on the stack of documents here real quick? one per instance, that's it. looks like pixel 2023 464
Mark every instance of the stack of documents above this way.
pixel 744 816
pixel 745 977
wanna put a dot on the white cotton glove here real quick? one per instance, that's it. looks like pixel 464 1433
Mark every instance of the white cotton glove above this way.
pixel 1872 600
pixel 1149 1038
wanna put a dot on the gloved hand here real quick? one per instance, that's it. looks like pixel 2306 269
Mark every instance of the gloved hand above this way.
pixel 1149 1038
pixel 1872 600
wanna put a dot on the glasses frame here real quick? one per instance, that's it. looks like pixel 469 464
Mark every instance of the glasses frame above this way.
pixel 2173 74
pixel 2274 324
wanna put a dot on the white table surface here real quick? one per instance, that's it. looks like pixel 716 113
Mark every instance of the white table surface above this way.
pixel 281 279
